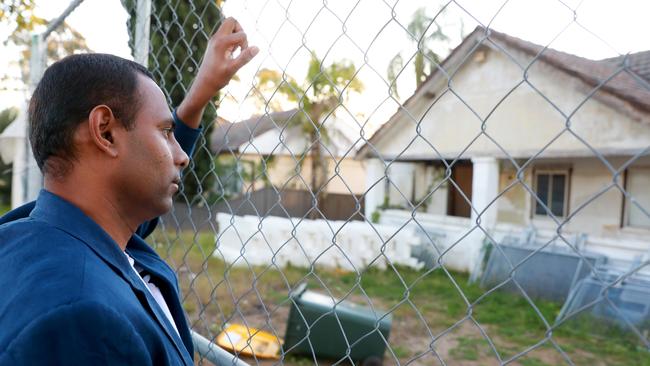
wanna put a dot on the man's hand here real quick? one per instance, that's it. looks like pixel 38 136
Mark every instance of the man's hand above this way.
pixel 216 70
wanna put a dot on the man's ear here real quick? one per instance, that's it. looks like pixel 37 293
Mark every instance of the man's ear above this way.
pixel 102 126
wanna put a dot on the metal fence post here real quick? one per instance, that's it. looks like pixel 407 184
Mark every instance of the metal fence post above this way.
pixel 142 26
pixel 214 353
pixel 33 179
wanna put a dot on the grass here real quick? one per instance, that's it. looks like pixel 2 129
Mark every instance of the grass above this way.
pixel 216 293
pixel 467 349
pixel 533 362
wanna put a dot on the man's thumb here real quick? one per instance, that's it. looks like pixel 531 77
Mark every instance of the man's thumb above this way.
pixel 245 56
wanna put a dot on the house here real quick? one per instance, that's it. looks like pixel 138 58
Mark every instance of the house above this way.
pixel 509 136
pixel 271 153
pixel 26 178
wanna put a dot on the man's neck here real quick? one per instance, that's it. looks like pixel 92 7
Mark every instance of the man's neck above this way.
pixel 101 208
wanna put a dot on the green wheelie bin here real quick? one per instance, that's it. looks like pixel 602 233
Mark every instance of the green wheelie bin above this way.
pixel 313 325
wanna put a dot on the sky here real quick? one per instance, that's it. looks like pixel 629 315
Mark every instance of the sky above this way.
pixel 369 33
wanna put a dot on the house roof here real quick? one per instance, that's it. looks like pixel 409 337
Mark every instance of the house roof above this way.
pixel 638 62
pixel 230 136
pixel 624 85
pixel 273 134
pixel 626 78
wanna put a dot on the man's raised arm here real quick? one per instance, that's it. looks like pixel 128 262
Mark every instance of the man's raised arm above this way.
pixel 217 68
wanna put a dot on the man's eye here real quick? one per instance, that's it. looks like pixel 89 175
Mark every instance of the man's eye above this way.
pixel 168 131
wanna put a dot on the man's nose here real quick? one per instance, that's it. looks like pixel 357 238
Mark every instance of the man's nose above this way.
pixel 180 157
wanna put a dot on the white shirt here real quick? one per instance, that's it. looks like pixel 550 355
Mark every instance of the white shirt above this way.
pixel 155 292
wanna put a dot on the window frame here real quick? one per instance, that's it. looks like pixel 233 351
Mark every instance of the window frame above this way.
pixel 567 185
pixel 627 205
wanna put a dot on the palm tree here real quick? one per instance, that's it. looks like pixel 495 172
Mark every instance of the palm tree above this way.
pixel 324 89
pixel 425 59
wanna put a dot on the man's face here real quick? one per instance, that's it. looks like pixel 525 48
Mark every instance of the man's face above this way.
pixel 151 159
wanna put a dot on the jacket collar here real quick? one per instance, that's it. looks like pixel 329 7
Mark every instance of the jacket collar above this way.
pixel 62 214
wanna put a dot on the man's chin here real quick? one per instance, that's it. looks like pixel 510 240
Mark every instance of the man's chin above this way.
pixel 161 208
pixel 167 205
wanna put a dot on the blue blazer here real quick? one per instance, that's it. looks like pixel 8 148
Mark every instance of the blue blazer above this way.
pixel 68 295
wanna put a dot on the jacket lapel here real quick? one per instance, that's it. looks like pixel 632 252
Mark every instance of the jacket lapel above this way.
pixel 149 303
pixel 151 263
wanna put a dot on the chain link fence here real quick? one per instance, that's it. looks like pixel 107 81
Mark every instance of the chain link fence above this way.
pixel 241 263
pixel 399 183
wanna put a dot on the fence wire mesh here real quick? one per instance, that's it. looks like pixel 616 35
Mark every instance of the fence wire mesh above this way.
pixel 306 187
pixel 449 194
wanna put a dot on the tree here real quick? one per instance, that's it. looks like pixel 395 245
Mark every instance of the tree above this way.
pixel 62 42
pixel 178 37
pixel 20 14
pixel 426 59
pixel 322 92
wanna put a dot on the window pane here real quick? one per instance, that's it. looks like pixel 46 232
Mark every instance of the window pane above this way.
pixel 542 193
pixel 557 196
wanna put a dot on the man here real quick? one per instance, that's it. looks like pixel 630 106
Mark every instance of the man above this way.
pixel 78 285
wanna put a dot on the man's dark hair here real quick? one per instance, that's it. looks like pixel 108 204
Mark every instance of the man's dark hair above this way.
pixel 66 94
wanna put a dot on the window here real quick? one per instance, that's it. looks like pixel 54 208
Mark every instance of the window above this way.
pixel 637 181
pixel 552 189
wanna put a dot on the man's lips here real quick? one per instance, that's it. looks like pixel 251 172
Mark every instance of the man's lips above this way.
pixel 176 183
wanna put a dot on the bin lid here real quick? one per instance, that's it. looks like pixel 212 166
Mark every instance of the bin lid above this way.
pixel 298 291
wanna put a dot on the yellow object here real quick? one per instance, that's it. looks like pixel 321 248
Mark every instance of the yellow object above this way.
pixel 248 341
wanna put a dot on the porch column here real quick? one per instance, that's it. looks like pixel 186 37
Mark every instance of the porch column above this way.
pixel 485 187
pixel 374 197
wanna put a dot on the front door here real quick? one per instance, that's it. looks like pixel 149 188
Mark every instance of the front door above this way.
pixel 461 173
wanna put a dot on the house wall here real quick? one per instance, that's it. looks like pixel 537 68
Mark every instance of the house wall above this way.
pixel 514 205
pixel 400 186
pixel 415 181
pixel 518 119
pixel 282 171
pixel 428 178
pixel 595 205
pixel 589 177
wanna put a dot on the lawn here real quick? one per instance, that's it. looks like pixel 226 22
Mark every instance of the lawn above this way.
pixel 428 309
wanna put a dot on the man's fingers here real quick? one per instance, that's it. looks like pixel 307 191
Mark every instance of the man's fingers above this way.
pixel 219 57
pixel 240 39
pixel 244 57
pixel 227 26
pixel 237 27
